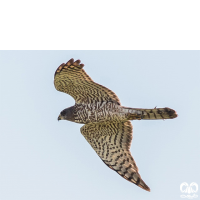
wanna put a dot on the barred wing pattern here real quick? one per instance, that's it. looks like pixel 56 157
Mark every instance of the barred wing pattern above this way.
pixel 73 80
pixel 112 141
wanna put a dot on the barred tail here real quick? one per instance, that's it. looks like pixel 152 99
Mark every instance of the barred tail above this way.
pixel 156 113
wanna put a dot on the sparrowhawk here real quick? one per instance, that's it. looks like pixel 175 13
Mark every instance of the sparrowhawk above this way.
pixel 107 126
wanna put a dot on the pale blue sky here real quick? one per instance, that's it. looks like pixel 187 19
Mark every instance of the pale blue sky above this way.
pixel 43 159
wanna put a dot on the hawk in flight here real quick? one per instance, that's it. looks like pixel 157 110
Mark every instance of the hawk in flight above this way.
pixel 107 126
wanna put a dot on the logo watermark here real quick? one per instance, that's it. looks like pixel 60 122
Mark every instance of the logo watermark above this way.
pixel 189 190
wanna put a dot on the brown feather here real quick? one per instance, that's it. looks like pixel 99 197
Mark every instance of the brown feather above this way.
pixel 112 142
pixel 73 80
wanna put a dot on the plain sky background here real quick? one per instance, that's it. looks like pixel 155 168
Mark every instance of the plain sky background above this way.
pixel 43 159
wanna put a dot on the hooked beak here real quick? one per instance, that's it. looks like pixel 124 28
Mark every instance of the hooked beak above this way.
pixel 59 117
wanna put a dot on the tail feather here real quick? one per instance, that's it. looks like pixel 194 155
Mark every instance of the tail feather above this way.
pixel 156 113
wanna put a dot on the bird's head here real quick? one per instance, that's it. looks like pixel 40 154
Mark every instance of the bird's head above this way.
pixel 67 114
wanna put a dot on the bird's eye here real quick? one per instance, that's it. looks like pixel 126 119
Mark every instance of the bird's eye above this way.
pixel 63 112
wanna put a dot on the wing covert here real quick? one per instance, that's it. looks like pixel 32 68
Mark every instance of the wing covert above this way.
pixel 73 80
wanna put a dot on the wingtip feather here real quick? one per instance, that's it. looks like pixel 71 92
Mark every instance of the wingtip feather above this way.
pixel 70 62
pixel 144 186
pixel 76 63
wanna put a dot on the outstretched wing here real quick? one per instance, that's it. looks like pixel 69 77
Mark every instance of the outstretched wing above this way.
pixel 112 141
pixel 73 80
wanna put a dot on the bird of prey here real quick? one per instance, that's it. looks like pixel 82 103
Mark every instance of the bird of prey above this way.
pixel 107 126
